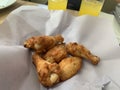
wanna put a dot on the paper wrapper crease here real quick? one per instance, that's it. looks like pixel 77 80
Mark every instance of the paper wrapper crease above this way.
pixel 95 33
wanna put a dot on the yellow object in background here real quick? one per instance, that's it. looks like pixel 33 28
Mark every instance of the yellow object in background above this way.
pixel 91 7
pixel 57 4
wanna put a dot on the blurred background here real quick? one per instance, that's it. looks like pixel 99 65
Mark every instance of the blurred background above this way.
pixel 108 6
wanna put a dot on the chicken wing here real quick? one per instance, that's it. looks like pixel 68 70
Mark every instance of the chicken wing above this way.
pixel 48 73
pixel 42 43
pixel 80 51
pixel 69 67
pixel 56 54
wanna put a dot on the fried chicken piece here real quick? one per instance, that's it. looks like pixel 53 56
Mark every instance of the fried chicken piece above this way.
pixel 69 67
pixel 48 73
pixel 43 43
pixel 80 51
pixel 56 54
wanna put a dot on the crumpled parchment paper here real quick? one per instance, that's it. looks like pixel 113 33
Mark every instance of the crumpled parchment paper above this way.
pixel 95 33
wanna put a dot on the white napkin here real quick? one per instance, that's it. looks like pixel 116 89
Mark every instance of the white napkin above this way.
pixel 16 69
pixel 96 33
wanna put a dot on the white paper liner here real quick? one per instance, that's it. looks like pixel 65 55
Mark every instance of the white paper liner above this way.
pixel 96 33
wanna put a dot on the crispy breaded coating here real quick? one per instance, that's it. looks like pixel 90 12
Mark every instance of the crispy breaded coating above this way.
pixel 29 43
pixel 43 43
pixel 48 73
pixel 69 67
pixel 56 54
pixel 81 51
pixel 56 61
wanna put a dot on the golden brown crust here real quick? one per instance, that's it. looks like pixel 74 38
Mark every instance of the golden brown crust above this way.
pixel 48 73
pixel 69 67
pixel 55 61
pixel 56 54
pixel 43 43
pixel 80 51
pixel 29 43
